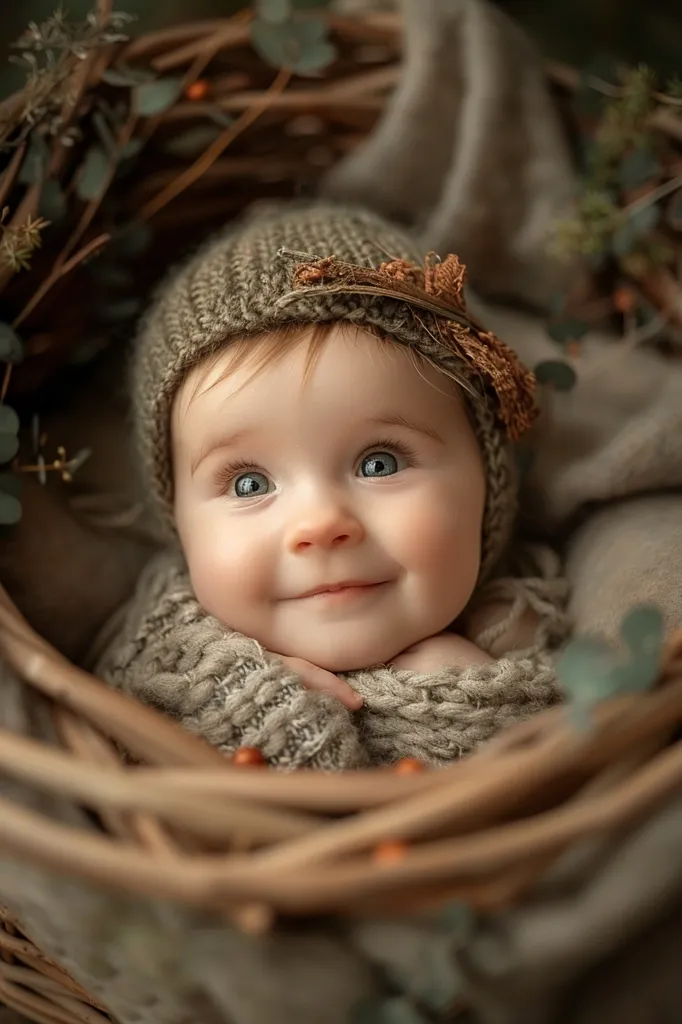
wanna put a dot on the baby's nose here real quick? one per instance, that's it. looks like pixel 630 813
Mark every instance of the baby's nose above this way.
pixel 328 524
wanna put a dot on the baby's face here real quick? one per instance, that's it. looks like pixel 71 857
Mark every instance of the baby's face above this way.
pixel 370 474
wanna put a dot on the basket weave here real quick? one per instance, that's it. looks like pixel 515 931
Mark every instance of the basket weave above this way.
pixel 185 824
pixel 180 822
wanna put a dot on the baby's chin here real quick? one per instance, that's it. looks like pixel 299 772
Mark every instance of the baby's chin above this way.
pixel 345 657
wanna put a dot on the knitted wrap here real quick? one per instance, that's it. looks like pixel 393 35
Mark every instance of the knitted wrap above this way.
pixel 168 652
pixel 239 284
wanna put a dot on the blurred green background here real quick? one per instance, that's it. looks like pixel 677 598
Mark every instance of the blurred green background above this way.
pixel 575 31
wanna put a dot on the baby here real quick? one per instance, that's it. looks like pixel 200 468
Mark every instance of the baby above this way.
pixel 325 431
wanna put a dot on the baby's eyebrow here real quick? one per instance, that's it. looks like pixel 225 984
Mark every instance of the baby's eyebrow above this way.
pixel 396 419
pixel 390 419
pixel 220 441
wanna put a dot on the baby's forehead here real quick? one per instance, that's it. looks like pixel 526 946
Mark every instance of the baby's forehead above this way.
pixel 245 359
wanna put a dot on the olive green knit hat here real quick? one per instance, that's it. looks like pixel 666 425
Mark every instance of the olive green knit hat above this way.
pixel 313 262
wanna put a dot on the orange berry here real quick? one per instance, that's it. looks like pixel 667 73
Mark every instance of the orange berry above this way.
pixel 248 757
pixel 197 90
pixel 408 766
pixel 624 299
pixel 390 851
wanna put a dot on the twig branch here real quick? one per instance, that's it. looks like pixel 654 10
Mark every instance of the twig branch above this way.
pixel 195 171
pixel 652 197
pixel 10 173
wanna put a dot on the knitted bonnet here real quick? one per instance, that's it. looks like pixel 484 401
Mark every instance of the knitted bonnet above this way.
pixel 314 262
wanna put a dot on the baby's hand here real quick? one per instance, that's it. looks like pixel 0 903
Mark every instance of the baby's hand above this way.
pixel 315 678
pixel 440 651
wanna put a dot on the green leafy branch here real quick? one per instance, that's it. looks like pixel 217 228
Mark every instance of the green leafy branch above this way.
pixel 49 53
pixel 591 670
pixel 287 38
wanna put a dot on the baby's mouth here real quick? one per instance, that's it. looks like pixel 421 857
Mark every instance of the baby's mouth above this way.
pixel 342 593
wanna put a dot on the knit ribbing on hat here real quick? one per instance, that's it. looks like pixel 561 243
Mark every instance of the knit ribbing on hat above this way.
pixel 231 288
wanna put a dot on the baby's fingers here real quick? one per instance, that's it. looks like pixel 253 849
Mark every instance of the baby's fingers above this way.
pixel 320 680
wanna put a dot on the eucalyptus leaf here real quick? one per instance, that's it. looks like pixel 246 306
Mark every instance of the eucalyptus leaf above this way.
pixel 9 430
pixel 193 141
pixel 52 202
pixel 104 132
pixel 153 98
pixel 9 421
pixel 590 669
pixel 10 509
pixel 634 227
pixel 441 981
pixel 131 240
pixel 11 346
pixel 125 76
pixel 300 44
pixel 584 670
pixel 10 499
pixel 567 329
pixel 315 57
pixel 9 446
pixel 275 11
pixel 557 375
pixel 639 167
pixel 311 30
pixel 274 43
pixel 34 164
pixel 131 148
pixel 94 172
pixel 643 631
pixel 456 918
pixel 11 483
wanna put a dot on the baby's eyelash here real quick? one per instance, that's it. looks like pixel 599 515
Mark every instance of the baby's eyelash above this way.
pixel 393 444
pixel 227 473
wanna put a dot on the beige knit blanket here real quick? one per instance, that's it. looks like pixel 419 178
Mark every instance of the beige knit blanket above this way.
pixel 164 649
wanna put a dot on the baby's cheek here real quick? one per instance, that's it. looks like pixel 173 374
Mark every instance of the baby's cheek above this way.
pixel 440 536
pixel 225 577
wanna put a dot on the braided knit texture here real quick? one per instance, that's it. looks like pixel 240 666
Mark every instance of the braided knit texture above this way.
pixel 235 285
pixel 168 652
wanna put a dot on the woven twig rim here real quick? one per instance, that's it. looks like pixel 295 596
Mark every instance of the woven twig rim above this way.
pixel 481 830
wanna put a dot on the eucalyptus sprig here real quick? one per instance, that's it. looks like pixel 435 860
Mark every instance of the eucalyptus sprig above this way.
pixel 49 53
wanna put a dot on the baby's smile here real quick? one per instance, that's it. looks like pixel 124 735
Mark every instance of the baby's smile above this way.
pixel 345 594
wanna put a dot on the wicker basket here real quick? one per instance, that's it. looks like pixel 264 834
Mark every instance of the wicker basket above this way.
pixel 177 820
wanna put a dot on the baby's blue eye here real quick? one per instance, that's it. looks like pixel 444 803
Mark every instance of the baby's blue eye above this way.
pixel 249 485
pixel 379 464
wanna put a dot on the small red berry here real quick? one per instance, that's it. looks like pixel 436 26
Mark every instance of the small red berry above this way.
pixel 197 90
pixel 248 757
pixel 408 766
pixel 624 299
pixel 390 851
